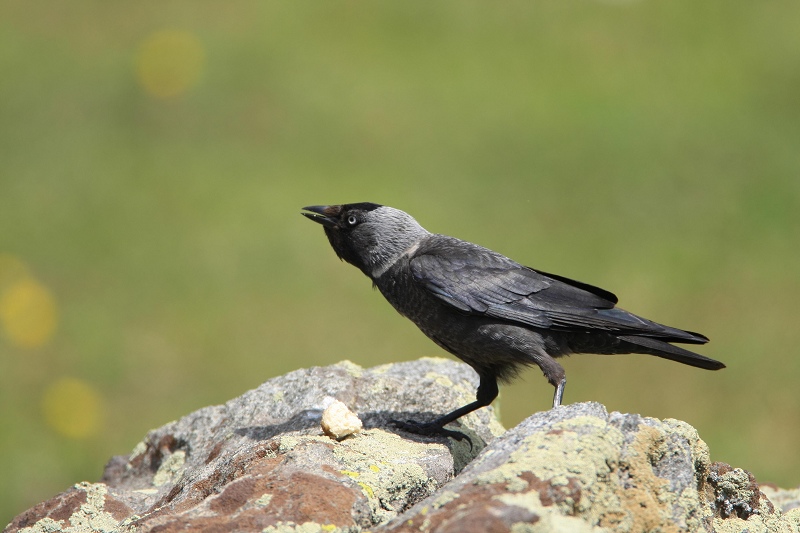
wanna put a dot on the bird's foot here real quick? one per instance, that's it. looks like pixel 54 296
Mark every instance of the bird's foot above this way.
pixel 429 429
pixel 559 394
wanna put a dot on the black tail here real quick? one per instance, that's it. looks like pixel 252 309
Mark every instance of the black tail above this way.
pixel 663 349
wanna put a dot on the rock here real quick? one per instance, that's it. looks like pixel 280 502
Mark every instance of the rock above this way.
pixel 339 422
pixel 261 460
pixel 578 468
pixel 785 499
pixel 261 463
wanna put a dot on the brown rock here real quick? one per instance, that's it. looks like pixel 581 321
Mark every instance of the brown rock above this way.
pixel 261 461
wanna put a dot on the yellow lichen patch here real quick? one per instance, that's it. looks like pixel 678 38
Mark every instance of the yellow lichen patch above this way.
pixel 444 498
pixel 435 360
pixel 647 495
pixel 28 311
pixel 170 468
pixel 45 525
pixel 439 378
pixel 169 63
pixel 305 527
pixel 264 500
pixel 353 369
pixel 526 500
pixel 382 369
pixel 578 445
pixel 139 449
pixel 771 523
pixel 287 444
pixel 548 523
pixel 72 408
pixel 792 517
pixel 398 469
pixel 781 497
pixel 586 468
pixel 91 516
pixel 699 448
pixel 367 489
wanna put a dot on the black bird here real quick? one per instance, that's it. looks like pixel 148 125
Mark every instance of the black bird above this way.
pixel 489 311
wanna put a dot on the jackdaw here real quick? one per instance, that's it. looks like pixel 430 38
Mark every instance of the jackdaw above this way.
pixel 493 313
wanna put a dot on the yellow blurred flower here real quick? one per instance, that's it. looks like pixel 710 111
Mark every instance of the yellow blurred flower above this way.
pixel 28 311
pixel 169 63
pixel 72 408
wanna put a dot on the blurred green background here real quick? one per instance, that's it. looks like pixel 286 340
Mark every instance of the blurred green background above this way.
pixel 154 158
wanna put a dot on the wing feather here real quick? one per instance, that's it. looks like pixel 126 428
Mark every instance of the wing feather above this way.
pixel 475 280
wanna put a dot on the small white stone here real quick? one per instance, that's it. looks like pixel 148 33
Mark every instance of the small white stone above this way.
pixel 338 421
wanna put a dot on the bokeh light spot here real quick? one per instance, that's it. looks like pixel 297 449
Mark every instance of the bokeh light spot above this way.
pixel 28 312
pixel 71 407
pixel 169 63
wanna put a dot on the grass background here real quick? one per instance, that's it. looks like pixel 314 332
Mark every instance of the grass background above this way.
pixel 651 148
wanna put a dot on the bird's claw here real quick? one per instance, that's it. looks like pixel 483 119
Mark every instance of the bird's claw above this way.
pixel 430 429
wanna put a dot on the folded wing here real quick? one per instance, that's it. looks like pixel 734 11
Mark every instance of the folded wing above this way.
pixel 476 280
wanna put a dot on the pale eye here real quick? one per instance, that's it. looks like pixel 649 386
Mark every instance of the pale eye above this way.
pixel 352 220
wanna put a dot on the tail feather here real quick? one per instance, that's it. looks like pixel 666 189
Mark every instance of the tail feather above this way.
pixel 617 319
pixel 698 338
pixel 668 351
pixel 668 334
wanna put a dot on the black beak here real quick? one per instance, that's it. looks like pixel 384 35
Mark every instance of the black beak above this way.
pixel 319 214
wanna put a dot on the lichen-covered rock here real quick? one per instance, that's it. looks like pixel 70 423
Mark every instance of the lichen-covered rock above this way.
pixel 786 499
pixel 82 507
pixel 261 461
pixel 578 468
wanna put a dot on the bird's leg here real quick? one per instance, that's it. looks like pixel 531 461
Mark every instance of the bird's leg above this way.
pixel 487 392
pixel 555 374
pixel 559 392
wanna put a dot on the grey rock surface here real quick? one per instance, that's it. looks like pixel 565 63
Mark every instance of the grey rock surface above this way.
pixel 579 468
pixel 261 460
pixel 261 463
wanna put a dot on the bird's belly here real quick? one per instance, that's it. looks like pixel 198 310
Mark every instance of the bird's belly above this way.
pixel 487 344
pixel 490 347
pixel 484 343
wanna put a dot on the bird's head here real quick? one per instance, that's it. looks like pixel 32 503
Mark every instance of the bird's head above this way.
pixel 369 236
